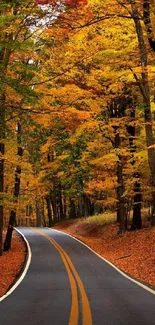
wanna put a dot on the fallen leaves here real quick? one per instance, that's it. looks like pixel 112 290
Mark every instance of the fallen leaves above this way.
pixel 11 263
pixel 133 252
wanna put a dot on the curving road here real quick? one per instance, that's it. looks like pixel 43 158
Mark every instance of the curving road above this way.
pixel 67 284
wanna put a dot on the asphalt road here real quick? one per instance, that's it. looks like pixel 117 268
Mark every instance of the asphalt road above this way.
pixel 67 284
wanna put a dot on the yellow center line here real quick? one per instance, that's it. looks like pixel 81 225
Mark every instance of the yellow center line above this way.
pixel 74 314
pixel 86 312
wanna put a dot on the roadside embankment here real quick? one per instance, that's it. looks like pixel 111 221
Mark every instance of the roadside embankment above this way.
pixel 11 263
pixel 132 252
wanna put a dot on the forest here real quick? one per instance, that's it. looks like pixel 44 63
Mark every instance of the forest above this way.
pixel 77 111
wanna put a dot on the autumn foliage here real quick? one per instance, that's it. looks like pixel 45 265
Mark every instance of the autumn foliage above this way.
pixel 78 78
pixel 67 2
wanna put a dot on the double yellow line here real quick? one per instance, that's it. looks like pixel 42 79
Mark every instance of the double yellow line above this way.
pixel 75 281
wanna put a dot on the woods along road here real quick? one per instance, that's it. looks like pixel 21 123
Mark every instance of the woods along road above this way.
pixel 67 284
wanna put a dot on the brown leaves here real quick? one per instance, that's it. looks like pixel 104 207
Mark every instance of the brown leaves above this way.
pixel 134 252
pixel 11 263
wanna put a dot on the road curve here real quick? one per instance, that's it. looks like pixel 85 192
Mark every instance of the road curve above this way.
pixel 67 284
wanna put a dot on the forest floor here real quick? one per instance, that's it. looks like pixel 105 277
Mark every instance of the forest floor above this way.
pixel 11 263
pixel 132 252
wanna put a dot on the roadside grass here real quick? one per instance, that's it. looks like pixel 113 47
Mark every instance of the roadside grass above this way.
pixel 109 217
pixel 101 219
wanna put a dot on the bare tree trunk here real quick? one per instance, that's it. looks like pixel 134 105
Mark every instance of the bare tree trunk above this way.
pixel 43 213
pixel 38 213
pixel 54 207
pixel 49 210
pixel 60 200
pixel 120 190
pixel 4 60
pixel 148 24
pixel 12 220
pixel 137 200
pixel 145 91
pixel 65 207
pixel 117 109
pixel 2 151
pixel 87 205
pixel 72 209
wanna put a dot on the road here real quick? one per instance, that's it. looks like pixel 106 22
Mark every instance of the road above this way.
pixel 67 284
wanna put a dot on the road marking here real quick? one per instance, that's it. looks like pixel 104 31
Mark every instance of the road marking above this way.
pixel 25 269
pixel 86 312
pixel 105 260
pixel 74 306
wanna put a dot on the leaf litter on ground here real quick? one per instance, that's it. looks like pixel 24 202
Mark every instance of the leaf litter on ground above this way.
pixel 11 263
pixel 133 252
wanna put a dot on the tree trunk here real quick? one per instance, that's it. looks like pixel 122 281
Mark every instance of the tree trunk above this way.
pixel 65 207
pixel 121 200
pixel 121 212
pixel 72 212
pixel 29 210
pixel 118 217
pixel 87 204
pixel 137 200
pixel 53 203
pixel 92 208
pixel 2 149
pixel 117 109
pixel 137 219
pixel 60 201
pixel 145 91
pixel 38 213
pixel 147 22
pixel 12 219
pixel 4 60
pixel 81 208
pixel 153 209
pixel 49 210
pixel 43 213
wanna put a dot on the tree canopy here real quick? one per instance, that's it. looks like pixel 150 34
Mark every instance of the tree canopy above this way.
pixel 77 110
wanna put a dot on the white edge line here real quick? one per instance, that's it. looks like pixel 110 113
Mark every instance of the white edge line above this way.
pixel 115 267
pixel 25 269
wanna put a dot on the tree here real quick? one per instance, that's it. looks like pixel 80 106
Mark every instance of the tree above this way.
pixel 15 44
pixel 12 220
pixel 145 91
pixel 75 77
